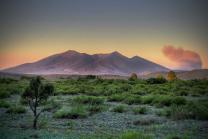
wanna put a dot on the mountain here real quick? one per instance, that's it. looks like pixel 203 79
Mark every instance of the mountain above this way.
pixel 72 62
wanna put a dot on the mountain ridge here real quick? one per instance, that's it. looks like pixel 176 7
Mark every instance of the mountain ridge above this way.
pixel 73 62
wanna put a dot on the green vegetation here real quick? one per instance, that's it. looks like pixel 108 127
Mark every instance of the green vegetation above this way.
pixel 193 110
pixel 119 109
pixel 4 104
pixel 94 108
pixel 135 135
pixel 35 94
pixel 88 100
pixel 16 109
pixel 139 110
pixel 72 113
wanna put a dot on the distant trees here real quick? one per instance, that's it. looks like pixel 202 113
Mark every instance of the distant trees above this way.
pixel 36 94
pixel 158 80
pixel 133 77
pixel 171 76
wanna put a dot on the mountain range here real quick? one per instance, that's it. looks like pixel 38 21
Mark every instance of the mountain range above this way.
pixel 72 62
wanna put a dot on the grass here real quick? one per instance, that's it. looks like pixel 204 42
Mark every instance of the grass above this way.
pixel 117 97
pixel 134 99
pixel 135 135
pixel 119 109
pixel 144 122
pixel 16 109
pixel 139 110
pixel 95 108
pixel 52 105
pixel 163 100
pixel 4 104
pixel 193 110
pixel 73 113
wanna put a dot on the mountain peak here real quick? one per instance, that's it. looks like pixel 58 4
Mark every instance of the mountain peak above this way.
pixel 71 52
pixel 116 53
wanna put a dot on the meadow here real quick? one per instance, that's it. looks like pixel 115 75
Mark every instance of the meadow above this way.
pixel 93 108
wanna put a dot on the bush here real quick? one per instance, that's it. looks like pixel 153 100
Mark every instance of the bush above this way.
pixel 117 97
pixel 133 77
pixel 73 113
pixel 4 94
pixel 52 105
pixel 147 99
pixel 140 110
pixel 133 100
pixel 193 110
pixel 4 104
pixel 144 122
pixel 156 80
pixel 95 108
pixel 135 135
pixel 16 109
pixel 165 100
pixel 119 109
pixel 88 100
pixel 178 101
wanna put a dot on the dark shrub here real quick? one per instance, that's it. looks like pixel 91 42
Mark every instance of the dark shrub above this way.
pixel 4 104
pixel 139 110
pixel 119 109
pixel 133 100
pixel 73 113
pixel 156 80
pixel 88 100
pixel 16 109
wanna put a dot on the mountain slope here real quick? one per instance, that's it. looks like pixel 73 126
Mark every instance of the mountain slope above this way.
pixel 72 62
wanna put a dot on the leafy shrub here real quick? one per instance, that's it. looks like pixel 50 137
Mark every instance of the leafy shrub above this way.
pixel 139 110
pixel 16 109
pixel 119 109
pixel 135 135
pixel 133 100
pixel 165 100
pixel 7 80
pixel 88 100
pixel 133 77
pixel 192 110
pixel 4 94
pixel 95 108
pixel 178 101
pixel 4 104
pixel 73 113
pixel 144 122
pixel 117 97
pixel 52 105
pixel 147 99
pixel 156 80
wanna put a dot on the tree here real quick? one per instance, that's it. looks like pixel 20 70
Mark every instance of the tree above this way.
pixel 36 94
pixel 171 76
pixel 133 77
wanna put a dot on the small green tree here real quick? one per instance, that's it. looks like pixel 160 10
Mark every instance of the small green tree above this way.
pixel 133 77
pixel 171 76
pixel 36 94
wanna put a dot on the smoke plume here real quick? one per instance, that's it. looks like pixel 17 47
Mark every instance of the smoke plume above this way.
pixel 186 59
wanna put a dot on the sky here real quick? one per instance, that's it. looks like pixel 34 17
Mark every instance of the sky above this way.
pixel 172 33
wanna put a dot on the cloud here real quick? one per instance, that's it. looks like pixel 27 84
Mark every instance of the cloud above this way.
pixel 186 59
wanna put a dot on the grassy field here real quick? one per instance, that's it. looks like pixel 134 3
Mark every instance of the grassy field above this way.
pixel 94 108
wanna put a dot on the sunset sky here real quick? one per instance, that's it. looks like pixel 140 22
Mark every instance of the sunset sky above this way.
pixel 173 33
